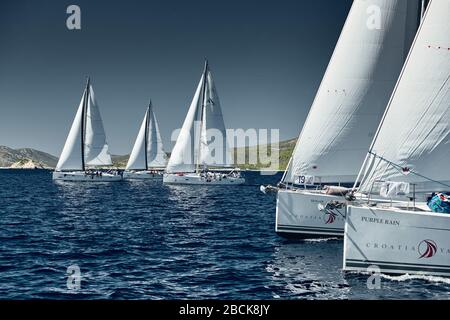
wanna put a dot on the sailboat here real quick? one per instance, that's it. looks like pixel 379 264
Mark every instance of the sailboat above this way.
pixel 86 148
pixel 202 143
pixel 411 148
pixel 148 159
pixel 349 104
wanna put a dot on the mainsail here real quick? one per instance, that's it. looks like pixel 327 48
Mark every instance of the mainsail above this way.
pixel 412 142
pixel 86 143
pixel 202 140
pixel 354 91
pixel 148 151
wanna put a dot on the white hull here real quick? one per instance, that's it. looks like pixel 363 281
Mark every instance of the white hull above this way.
pixel 142 175
pixel 82 176
pixel 195 179
pixel 298 215
pixel 397 241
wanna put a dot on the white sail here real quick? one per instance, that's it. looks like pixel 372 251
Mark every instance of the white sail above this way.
pixel 412 142
pixel 185 151
pixel 214 149
pixel 156 157
pixel 137 157
pixel 71 156
pixel 96 149
pixel 355 90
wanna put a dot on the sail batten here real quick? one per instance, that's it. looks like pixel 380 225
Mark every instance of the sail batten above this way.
pixel 354 92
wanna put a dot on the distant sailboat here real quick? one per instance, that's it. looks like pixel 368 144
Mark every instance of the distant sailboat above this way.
pixel 148 159
pixel 86 147
pixel 344 116
pixel 411 148
pixel 192 157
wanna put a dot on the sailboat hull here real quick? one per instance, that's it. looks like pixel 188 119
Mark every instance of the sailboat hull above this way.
pixel 142 175
pixel 82 176
pixel 397 241
pixel 301 215
pixel 196 179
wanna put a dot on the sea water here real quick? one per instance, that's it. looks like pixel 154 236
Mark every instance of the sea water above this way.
pixel 143 240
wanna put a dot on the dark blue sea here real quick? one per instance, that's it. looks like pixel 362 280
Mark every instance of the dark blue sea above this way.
pixel 143 240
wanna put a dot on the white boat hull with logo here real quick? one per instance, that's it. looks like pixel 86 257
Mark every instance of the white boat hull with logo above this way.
pixel 83 176
pixel 397 241
pixel 142 175
pixel 197 179
pixel 298 215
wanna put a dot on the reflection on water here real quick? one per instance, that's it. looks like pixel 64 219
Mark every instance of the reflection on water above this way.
pixel 309 271
pixel 143 240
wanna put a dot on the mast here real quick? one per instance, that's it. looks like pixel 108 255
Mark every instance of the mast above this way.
pixel 147 118
pixel 205 75
pixel 83 121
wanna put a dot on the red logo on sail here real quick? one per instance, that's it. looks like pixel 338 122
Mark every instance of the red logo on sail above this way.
pixel 331 217
pixel 427 249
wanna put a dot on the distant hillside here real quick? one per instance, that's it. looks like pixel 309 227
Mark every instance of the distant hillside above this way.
pixel 285 151
pixel 27 164
pixel 120 161
pixel 30 157
pixel 9 156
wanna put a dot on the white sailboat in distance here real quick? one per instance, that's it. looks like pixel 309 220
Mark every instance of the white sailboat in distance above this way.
pixel 86 148
pixel 148 159
pixel 202 142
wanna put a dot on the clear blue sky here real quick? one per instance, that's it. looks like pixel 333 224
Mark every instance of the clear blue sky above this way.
pixel 267 58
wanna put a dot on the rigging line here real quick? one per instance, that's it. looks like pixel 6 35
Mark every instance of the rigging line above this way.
pixel 415 173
